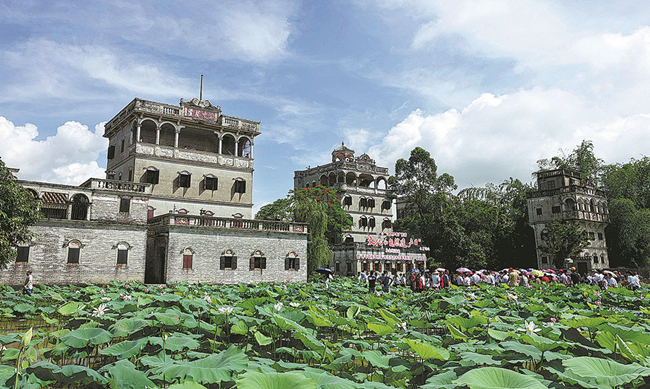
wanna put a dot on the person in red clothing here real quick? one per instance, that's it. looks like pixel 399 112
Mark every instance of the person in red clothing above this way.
pixel 545 279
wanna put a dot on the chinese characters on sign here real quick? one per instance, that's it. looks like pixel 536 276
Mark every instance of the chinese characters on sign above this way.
pixel 200 114
pixel 396 241
pixel 390 257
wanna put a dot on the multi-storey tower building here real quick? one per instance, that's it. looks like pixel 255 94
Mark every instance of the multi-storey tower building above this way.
pixel 196 159
pixel 362 186
pixel 562 195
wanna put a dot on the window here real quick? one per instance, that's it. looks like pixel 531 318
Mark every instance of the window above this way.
pixel 125 204
pixel 258 261
pixel 544 260
pixel 73 252
pixel 386 224
pixel 23 254
pixel 240 186
pixel 79 207
pixel 130 175
pixel 349 267
pixel 347 200
pixel 291 262
pixel 210 183
pixel 150 211
pixel 151 176
pixel 123 253
pixel 386 204
pixel 228 261
pixel 337 267
pixel 595 258
pixel 363 203
pixel 539 211
pixel 188 254
pixel 111 152
pixel 400 267
pixel 551 185
pixel 377 266
pixel 600 236
pixel 122 147
pixel 184 179
pixel 371 203
pixel 371 222
pixel 364 266
pixel 363 221
pixel 556 209
pixel 54 205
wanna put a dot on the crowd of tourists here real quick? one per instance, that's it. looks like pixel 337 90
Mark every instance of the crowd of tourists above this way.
pixel 441 278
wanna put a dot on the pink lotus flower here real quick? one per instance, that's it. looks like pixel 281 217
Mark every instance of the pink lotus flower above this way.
pixel 553 319
pixel 101 291
pixel 127 286
pixel 598 303
pixel 146 290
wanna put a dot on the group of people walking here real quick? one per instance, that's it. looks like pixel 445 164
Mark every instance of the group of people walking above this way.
pixel 440 278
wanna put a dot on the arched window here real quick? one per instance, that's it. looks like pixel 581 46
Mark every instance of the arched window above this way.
pixel 292 262
pixel 244 148
pixel 228 145
pixel 79 207
pixel 188 256
pixel 151 175
pixel 363 221
pixel 74 252
pixel 184 179
pixel 347 200
pixel 370 203
pixel 258 260
pixel 210 182
pixel 228 261
pixel 324 180
pixel 123 253
pixel 363 202
pixel 349 239
pixel 371 222
pixel 386 224
pixel 240 185
pixel 386 204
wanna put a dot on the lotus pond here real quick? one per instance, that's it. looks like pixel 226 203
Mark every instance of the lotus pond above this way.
pixel 309 336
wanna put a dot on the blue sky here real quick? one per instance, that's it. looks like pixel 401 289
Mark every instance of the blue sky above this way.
pixel 488 87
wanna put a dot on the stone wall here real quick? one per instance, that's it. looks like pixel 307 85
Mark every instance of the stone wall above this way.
pixel 97 259
pixel 209 244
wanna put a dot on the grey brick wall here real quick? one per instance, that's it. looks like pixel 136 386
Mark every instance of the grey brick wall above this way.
pixel 98 254
pixel 209 244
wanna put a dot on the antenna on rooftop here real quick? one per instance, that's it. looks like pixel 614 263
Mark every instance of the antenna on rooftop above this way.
pixel 201 93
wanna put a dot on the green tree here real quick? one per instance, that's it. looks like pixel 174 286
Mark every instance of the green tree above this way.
pixel 581 159
pixel 18 211
pixel 428 211
pixel 321 208
pixel 563 239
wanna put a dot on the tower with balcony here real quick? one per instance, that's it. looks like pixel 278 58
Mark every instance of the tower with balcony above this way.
pixel 197 160
pixel 563 195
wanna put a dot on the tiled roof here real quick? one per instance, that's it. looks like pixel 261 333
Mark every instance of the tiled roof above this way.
pixel 54 198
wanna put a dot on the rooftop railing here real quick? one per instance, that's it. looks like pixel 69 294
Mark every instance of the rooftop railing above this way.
pixel 117 185
pixel 227 223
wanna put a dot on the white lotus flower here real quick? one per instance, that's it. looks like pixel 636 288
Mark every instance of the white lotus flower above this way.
pixel 295 305
pixel 207 298
pixel 106 299
pixel 530 328
pixel 403 325
pixel 513 296
pixel 278 306
pixel 226 310
pixel 100 311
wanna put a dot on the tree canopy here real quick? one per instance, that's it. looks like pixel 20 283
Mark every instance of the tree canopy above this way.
pixel 562 240
pixel 319 206
pixel 18 211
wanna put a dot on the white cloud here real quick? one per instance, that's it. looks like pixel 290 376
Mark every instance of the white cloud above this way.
pixel 497 137
pixel 68 157
pixel 43 69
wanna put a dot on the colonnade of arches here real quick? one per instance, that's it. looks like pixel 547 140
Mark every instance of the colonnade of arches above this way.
pixel 173 135
pixel 352 179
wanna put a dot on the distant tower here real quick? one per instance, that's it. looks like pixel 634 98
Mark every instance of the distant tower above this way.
pixel 562 195
pixel 198 160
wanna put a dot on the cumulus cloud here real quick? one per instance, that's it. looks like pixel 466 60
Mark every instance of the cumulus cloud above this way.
pixel 497 137
pixel 68 157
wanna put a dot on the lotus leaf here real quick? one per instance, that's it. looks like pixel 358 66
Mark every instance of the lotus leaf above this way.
pixel 86 337
pixel 187 385
pixel 262 339
pixel 428 351
pixel 293 380
pixel 605 372
pixel 498 378
pixel 125 375
pixel 125 349
pixel 381 329
pixel 325 380
pixel 71 308
pixel 212 369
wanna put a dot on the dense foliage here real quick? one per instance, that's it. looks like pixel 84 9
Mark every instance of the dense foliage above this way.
pixel 309 336
pixel 321 208
pixel 479 228
pixel 18 211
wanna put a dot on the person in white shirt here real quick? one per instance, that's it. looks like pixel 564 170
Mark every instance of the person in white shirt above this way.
pixel 611 281
pixel 435 280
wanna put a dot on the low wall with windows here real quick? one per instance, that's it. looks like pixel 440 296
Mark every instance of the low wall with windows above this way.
pixel 196 253
pixel 77 252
